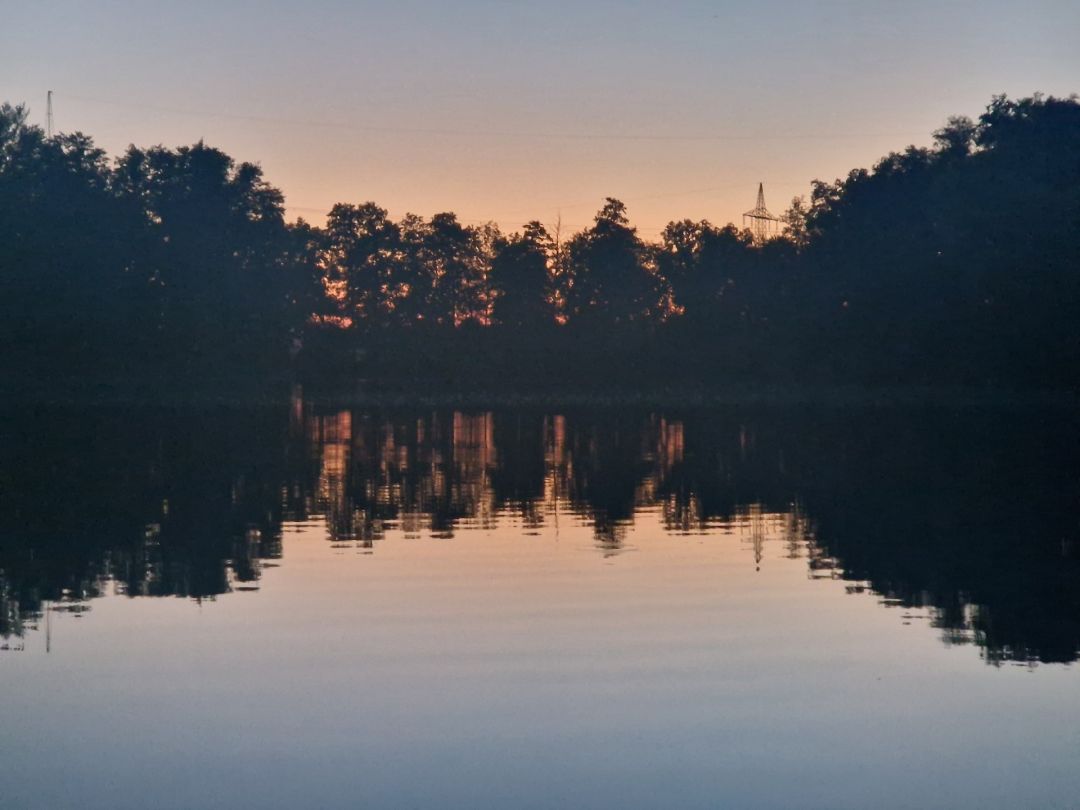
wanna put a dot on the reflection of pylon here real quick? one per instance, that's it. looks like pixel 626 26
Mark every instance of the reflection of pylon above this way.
pixel 763 225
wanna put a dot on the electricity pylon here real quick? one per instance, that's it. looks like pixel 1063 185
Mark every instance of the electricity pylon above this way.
pixel 763 225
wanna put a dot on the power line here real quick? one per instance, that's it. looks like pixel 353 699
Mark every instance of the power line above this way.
pixel 517 220
pixel 576 136
pixel 488 133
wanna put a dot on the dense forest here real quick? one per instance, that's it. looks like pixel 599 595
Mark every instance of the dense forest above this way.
pixel 956 264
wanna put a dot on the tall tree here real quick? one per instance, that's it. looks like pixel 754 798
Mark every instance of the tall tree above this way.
pixel 611 273
pixel 219 239
pixel 456 261
pixel 708 268
pixel 360 251
pixel 521 280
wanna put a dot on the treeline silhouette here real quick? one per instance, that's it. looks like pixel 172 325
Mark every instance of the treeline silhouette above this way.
pixel 970 515
pixel 954 264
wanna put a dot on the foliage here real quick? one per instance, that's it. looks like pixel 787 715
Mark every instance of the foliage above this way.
pixel 951 263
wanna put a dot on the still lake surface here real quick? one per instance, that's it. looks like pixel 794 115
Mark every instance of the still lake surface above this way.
pixel 305 606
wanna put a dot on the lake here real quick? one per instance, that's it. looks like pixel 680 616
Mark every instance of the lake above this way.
pixel 305 605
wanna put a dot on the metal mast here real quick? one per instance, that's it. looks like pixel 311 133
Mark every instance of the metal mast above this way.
pixel 48 114
pixel 762 224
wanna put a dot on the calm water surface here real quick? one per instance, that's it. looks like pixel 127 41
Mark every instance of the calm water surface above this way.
pixel 315 607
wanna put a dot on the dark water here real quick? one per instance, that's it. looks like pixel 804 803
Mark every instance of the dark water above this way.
pixel 745 607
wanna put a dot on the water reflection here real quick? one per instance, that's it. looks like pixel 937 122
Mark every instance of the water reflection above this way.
pixel 968 518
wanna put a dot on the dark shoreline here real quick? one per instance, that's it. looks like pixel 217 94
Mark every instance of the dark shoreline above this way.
pixel 250 391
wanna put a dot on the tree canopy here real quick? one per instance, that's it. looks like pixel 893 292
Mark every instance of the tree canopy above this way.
pixel 956 262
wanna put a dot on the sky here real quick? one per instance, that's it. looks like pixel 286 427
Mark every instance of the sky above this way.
pixel 507 111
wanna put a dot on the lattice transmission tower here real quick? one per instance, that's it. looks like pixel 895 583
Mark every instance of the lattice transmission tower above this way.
pixel 761 222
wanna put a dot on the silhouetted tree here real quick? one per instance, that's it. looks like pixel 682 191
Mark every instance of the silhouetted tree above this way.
pixel 611 273
pixel 795 223
pixel 360 253
pixel 220 233
pixel 456 262
pixel 704 265
pixel 70 256
pixel 520 279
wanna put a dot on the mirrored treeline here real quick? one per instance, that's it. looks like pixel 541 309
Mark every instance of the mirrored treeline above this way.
pixel 969 514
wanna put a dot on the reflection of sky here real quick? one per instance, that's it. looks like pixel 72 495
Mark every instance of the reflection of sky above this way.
pixel 501 670
pixel 483 107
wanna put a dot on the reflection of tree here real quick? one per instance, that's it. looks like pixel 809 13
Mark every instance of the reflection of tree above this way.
pixel 966 518
pixel 872 499
pixel 162 503
pixel 960 514
pixel 606 470
pixel 378 472
pixel 518 478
